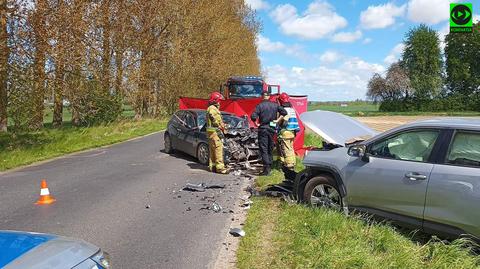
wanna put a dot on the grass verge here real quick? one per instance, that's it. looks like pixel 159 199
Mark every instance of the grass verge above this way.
pixel 282 235
pixel 17 149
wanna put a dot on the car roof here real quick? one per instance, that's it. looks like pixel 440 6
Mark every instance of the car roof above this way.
pixel 447 123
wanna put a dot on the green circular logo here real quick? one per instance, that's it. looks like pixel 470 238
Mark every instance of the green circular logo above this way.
pixel 461 14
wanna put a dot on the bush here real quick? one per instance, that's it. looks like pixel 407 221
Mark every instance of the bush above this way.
pixel 97 105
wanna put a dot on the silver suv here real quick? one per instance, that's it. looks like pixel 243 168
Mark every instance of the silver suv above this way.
pixel 424 175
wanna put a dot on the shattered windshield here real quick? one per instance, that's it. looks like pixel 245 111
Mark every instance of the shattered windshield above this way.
pixel 231 121
pixel 235 122
pixel 245 90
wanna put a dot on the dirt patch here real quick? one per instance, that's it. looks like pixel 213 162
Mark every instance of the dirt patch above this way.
pixel 384 123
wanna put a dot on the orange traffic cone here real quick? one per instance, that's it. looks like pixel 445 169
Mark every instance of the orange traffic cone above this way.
pixel 45 197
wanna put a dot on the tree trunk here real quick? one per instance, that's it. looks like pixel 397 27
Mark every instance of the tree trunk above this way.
pixel 39 64
pixel 119 73
pixel 106 45
pixel 4 52
pixel 58 95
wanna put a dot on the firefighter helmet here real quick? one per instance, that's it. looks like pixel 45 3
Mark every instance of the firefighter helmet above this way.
pixel 215 97
pixel 284 98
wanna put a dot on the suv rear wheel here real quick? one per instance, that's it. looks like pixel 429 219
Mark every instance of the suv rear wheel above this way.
pixel 167 143
pixel 202 153
pixel 322 191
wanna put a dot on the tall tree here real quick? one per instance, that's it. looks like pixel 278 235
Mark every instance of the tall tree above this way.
pixel 423 61
pixel 4 52
pixel 462 63
pixel 40 37
pixel 106 53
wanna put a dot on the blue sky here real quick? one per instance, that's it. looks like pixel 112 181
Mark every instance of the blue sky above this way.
pixel 330 49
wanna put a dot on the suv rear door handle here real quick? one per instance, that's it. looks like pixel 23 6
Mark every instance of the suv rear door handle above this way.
pixel 415 176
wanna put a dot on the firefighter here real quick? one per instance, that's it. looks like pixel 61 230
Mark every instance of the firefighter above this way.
pixel 288 126
pixel 266 113
pixel 215 133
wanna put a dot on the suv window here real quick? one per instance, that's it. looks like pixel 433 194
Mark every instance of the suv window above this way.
pixel 465 149
pixel 409 146
pixel 189 120
pixel 178 117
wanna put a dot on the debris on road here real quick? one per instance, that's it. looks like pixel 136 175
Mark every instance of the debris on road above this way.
pixel 216 207
pixel 237 232
pixel 194 187
pixel 147 206
pixel 201 187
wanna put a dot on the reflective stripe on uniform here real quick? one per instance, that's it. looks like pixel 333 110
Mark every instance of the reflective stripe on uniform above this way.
pixel 292 123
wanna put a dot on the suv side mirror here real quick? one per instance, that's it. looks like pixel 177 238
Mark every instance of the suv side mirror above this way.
pixel 359 151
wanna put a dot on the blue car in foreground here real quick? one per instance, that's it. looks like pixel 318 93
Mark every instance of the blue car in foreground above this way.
pixel 28 250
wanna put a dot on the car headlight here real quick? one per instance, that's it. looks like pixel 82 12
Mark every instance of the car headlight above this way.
pixel 102 258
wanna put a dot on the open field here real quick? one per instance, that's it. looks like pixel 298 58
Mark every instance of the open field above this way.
pixel 367 109
pixel 383 123
pixel 284 235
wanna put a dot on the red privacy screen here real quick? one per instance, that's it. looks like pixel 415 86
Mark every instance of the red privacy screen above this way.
pixel 245 107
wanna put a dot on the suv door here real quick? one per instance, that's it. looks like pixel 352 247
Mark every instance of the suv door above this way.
pixel 394 181
pixel 188 133
pixel 453 193
pixel 174 128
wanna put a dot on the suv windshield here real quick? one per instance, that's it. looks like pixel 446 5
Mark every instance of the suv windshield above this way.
pixel 245 90
pixel 230 120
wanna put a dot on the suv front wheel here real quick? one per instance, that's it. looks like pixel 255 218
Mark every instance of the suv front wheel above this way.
pixel 323 191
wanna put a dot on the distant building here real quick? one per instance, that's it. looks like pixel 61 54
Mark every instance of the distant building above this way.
pixel 343 105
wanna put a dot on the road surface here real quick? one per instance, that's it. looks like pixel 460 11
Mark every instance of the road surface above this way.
pixel 102 197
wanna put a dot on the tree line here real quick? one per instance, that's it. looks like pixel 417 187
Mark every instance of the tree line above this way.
pixel 94 56
pixel 425 79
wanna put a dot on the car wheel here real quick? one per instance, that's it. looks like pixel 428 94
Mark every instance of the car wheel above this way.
pixel 167 143
pixel 202 154
pixel 322 191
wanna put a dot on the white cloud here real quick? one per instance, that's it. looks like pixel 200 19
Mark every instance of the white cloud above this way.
pixel 381 16
pixel 367 40
pixel 264 44
pixel 348 81
pixel 330 56
pixel 257 4
pixel 394 54
pixel 318 21
pixel 347 37
pixel 429 11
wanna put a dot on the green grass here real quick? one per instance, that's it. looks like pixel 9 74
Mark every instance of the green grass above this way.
pixel 364 109
pixel 283 235
pixel 18 149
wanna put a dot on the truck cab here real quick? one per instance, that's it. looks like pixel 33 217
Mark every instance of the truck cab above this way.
pixel 247 87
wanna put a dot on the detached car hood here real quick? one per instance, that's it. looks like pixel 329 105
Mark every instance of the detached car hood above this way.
pixel 336 128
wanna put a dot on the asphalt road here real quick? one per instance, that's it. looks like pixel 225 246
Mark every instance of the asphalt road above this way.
pixel 102 197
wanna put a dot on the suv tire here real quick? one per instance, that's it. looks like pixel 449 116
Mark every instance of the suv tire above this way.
pixel 323 191
pixel 202 153
pixel 167 142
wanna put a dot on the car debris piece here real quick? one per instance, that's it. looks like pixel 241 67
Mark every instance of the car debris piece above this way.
pixel 216 207
pixel 214 186
pixel 147 206
pixel 194 187
pixel 237 232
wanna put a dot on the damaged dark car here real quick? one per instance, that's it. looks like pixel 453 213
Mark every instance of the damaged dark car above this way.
pixel 186 132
